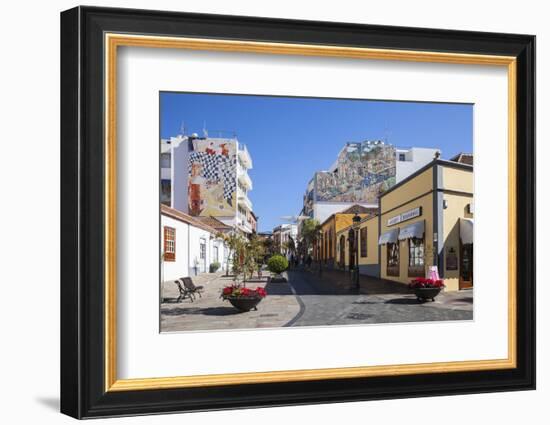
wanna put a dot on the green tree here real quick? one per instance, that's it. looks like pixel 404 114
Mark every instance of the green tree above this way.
pixel 311 232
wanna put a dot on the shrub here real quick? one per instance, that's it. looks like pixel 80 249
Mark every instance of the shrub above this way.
pixel 277 264
pixel 214 267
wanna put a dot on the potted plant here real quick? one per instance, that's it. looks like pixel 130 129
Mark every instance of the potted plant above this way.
pixel 242 298
pixel 276 265
pixel 426 289
pixel 214 267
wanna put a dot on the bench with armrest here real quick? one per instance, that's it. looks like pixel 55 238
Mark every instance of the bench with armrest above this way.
pixel 191 287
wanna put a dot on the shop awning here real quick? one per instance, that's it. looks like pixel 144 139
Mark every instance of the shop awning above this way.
pixel 467 230
pixel 389 237
pixel 415 230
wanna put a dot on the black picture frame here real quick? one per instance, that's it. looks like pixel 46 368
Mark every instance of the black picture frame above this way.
pixel 83 392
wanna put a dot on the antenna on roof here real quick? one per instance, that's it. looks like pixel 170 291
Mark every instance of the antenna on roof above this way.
pixel 204 131
pixel 182 128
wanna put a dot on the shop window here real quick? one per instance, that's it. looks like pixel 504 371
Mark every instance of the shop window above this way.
pixel 169 244
pixel 363 240
pixel 392 268
pixel 416 257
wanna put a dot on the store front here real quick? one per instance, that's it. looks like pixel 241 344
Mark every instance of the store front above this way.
pixel 426 222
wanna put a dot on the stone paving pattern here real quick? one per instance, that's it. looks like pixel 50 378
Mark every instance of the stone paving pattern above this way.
pixel 309 298
pixel 212 312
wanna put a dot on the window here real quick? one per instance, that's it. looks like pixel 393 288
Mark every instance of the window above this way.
pixel 401 157
pixel 363 240
pixel 169 244
pixel 392 259
pixel 216 254
pixel 416 257
pixel 203 250
pixel 330 253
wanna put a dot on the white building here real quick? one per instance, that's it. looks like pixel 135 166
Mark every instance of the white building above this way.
pixel 282 234
pixel 410 160
pixel 188 246
pixel 208 176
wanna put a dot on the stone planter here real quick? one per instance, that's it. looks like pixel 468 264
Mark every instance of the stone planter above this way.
pixel 277 278
pixel 245 303
pixel 424 294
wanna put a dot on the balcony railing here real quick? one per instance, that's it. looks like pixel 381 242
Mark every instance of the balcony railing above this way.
pixel 245 180
pixel 245 156
pixel 243 199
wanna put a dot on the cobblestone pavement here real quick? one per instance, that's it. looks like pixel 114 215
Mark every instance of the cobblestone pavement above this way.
pixel 309 299
pixel 376 301
pixel 210 312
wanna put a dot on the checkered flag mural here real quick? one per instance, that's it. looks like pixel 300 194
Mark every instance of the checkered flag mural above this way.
pixel 216 168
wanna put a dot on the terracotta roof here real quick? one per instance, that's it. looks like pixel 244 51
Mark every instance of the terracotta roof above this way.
pixel 356 208
pixel 186 218
pixel 463 158
pixel 214 222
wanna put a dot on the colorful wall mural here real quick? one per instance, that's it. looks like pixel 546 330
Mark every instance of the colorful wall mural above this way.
pixel 362 171
pixel 212 177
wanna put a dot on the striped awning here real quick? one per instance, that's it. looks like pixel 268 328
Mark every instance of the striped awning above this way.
pixel 467 230
pixel 415 230
pixel 389 237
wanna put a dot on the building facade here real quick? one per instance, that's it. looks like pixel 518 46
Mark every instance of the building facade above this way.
pixel 424 221
pixel 283 235
pixel 188 246
pixel 361 172
pixel 326 249
pixel 365 253
pixel 208 177
pixel 427 220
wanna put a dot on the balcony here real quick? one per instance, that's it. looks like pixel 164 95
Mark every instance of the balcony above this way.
pixel 244 156
pixel 243 224
pixel 245 180
pixel 243 200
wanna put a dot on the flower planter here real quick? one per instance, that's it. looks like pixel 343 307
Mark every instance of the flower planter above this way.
pixel 244 303
pixel 423 294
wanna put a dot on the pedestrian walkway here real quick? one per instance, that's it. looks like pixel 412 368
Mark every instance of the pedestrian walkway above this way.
pixel 210 312
pixel 309 299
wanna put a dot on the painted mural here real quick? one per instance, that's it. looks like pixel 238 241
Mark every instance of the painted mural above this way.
pixel 212 177
pixel 362 171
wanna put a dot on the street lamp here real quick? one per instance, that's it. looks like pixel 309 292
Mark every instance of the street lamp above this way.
pixel 356 220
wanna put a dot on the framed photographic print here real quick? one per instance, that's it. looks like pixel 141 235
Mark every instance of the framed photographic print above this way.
pixel 261 212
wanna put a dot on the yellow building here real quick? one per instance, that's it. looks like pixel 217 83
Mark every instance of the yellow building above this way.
pixel 367 250
pixel 325 250
pixel 427 220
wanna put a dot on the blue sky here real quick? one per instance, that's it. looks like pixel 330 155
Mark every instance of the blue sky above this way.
pixel 290 138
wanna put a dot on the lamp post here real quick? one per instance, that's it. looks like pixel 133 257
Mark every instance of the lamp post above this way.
pixel 356 220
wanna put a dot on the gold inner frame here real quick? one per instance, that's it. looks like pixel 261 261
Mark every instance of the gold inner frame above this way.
pixel 113 41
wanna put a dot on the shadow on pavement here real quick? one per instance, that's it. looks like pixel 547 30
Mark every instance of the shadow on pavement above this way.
pixel 404 301
pixel 282 288
pixel 207 311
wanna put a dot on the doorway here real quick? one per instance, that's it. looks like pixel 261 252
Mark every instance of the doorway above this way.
pixel 466 279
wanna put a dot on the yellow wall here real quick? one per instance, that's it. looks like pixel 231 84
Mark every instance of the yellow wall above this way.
pixel 415 187
pixel 372 242
pixel 335 222
pixel 458 179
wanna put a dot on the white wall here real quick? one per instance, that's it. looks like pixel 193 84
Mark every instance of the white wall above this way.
pixel 172 270
pixel 30 311
pixel 180 176
pixel 416 158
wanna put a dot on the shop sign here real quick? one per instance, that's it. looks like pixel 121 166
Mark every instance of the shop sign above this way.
pixel 451 260
pixel 407 215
